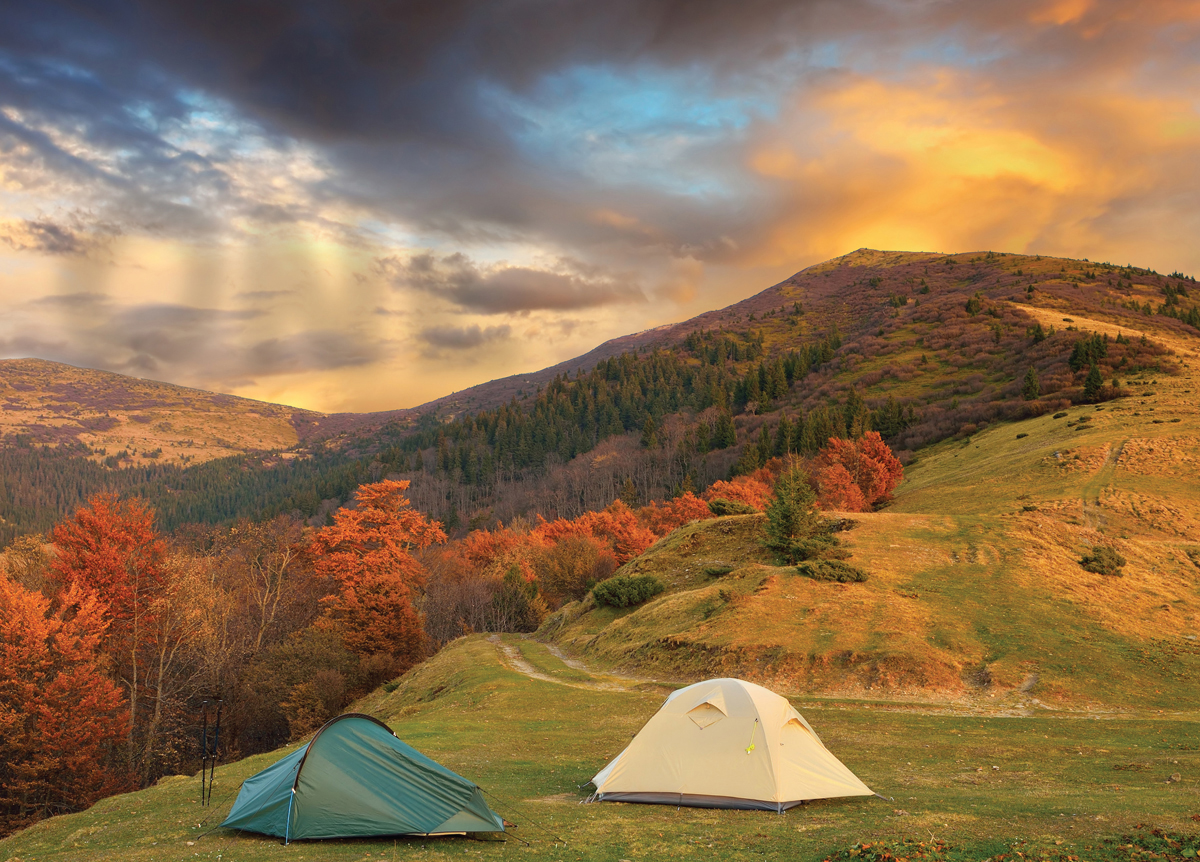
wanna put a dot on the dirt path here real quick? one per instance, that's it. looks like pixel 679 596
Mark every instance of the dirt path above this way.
pixel 513 659
pixel 1093 514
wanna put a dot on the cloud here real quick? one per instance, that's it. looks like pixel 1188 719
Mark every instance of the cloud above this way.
pixel 504 288
pixel 319 350
pixel 463 337
pixel 49 237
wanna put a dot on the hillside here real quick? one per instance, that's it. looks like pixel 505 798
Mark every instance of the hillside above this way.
pixel 975 585
pixel 127 421
pixel 922 347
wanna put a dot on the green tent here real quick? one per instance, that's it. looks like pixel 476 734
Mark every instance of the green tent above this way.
pixel 353 779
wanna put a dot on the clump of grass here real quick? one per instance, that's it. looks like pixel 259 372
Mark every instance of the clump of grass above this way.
pixel 1103 560
pixel 1022 436
pixel 625 591
pixel 1058 415
pixel 832 570
pixel 716 570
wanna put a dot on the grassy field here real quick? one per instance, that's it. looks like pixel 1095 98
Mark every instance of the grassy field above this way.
pixel 968 777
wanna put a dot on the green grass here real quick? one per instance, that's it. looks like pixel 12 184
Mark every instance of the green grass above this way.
pixel 965 777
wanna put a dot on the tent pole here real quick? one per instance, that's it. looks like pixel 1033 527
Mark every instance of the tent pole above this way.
pixel 287 828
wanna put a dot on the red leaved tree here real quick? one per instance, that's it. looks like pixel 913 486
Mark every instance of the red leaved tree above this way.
pixel 855 475
pixel 112 549
pixel 60 717
pixel 368 551
pixel 742 489
pixel 661 519
pixel 617 526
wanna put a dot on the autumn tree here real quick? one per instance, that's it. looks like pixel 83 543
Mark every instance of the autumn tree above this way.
pixel 855 475
pixel 567 569
pixel 662 518
pixel 368 550
pixel 617 526
pixel 112 549
pixel 60 716
pixel 750 490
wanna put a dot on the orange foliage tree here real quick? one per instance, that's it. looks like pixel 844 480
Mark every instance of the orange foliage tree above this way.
pixel 617 526
pixel 750 490
pixel 661 519
pixel 368 551
pixel 855 475
pixel 112 549
pixel 60 716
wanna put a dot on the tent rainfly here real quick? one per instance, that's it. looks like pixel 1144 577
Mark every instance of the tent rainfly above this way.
pixel 354 779
pixel 726 743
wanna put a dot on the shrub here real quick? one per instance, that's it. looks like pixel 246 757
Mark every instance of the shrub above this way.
pixel 1022 436
pixel 721 507
pixel 626 591
pixel 716 570
pixel 832 570
pixel 1058 415
pixel 1103 560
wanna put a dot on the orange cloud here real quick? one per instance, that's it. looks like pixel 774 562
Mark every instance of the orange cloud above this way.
pixel 948 162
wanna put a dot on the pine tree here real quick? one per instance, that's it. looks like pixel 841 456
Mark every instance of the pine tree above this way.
pixel 726 434
pixel 792 517
pixel 650 434
pixel 1032 388
pixel 1093 384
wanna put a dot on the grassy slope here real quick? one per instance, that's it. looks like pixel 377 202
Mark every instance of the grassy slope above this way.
pixel 530 742
pixel 975 589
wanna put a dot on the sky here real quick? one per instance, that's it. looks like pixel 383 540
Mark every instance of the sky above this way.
pixel 367 204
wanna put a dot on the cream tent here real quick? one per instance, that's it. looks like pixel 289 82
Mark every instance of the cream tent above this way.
pixel 725 743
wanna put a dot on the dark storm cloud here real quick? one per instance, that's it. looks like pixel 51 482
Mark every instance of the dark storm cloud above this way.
pixel 395 93
pixel 508 288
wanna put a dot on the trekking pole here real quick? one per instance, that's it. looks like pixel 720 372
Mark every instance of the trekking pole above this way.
pixel 203 749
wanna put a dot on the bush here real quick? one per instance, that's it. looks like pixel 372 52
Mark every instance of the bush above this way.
pixel 721 507
pixel 716 570
pixel 832 570
pixel 1103 560
pixel 625 591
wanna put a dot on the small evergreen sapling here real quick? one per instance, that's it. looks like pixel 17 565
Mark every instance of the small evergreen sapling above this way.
pixel 795 529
